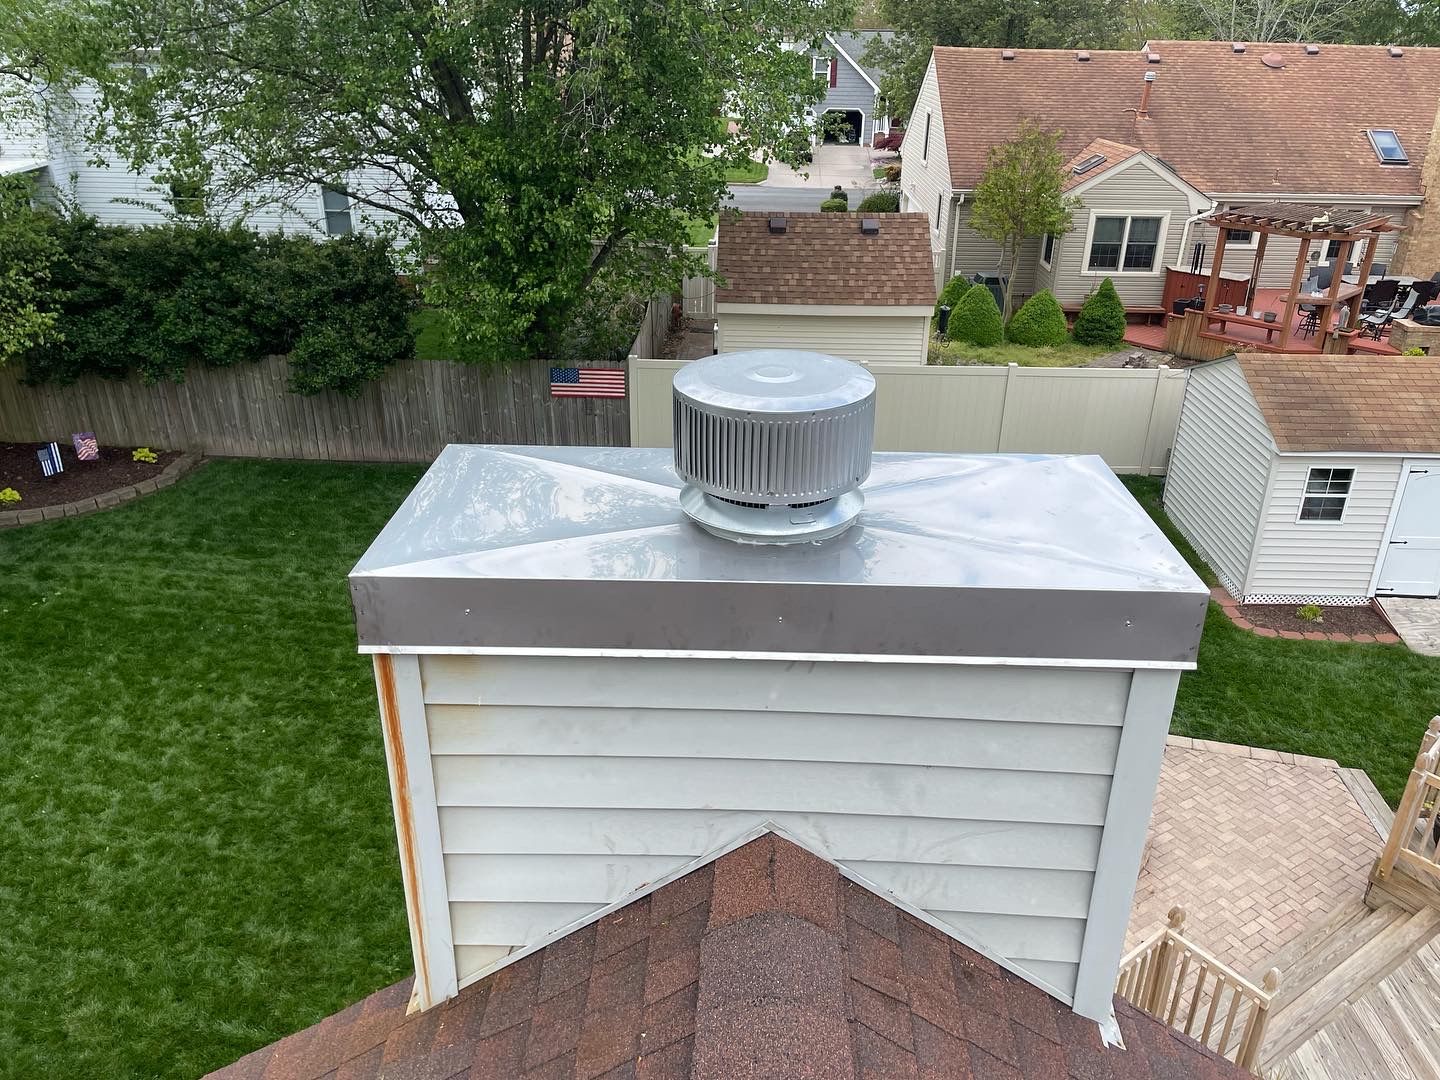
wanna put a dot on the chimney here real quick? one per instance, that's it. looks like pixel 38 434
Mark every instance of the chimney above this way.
pixel 1143 113
pixel 599 667
pixel 1418 249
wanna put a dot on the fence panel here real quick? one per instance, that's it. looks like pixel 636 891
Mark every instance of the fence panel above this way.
pixel 409 414
pixel 1128 417
pixel 698 293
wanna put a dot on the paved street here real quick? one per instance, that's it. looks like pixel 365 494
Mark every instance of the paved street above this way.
pixel 788 190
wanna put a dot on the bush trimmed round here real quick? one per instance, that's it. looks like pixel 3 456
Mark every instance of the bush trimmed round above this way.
pixel 1102 317
pixel 834 206
pixel 881 202
pixel 954 289
pixel 1039 322
pixel 976 318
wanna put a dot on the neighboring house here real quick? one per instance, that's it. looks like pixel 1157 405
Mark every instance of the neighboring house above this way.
pixel 1311 479
pixel 822 282
pixel 764 964
pixel 1158 136
pixel 98 182
pixel 852 84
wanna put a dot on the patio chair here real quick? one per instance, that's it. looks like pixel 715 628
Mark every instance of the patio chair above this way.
pixel 1377 322
pixel 1310 314
pixel 1379 269
pixel 1380 296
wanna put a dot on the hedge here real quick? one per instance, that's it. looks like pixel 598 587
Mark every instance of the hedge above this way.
pixel 1102 317
pixel 882 202
pixel 950 295
pixel 1038 322
pixel 834 206
pixel 152 301
pixel 976 319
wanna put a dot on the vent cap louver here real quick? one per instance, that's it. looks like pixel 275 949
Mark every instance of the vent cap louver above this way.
pixel 772 444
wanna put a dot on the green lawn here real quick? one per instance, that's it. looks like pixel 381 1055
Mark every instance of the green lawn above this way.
pixel 752 172
pixel 1070 354
pixel 429 336
pixel 197 845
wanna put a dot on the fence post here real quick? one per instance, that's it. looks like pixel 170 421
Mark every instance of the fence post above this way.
pixel 1164 970
pixel 1147 447
pixel 1011 374
pixel 1409 808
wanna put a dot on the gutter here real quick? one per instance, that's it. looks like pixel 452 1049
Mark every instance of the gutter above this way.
pixel 1185 230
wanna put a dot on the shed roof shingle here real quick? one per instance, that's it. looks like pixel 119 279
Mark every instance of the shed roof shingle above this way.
pixel 1361 404
pixel 766 964
pixel 825 259
pixel 1225 121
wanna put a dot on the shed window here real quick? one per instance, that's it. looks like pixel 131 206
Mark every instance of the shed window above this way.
pixel 1387 146
pixel 1119 243
pixel 925 144
pixel 1326 491
pixel 337 212
pixel 1047 250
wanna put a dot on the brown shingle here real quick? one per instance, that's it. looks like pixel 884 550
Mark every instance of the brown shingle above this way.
pixel 1360 404
pixel 801 974
pixel 825 259
pixel 1225 122
pixel 1111 153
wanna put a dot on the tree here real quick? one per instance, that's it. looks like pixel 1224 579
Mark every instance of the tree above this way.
pixel 1013 24
pixel 1040 321
pixel 534 152
pixel 1101 320
pixel 29 252
pixel 1274 20
pixel 1020 195
pixel 976 319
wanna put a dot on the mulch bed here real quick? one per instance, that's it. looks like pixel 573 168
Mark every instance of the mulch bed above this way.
pixel 1336 620
pixel 19 469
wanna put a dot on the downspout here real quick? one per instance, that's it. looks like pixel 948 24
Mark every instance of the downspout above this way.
pixel 1185 230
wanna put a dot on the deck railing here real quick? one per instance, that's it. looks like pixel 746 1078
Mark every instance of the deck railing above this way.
pixel 1181 984
pixel 1411 843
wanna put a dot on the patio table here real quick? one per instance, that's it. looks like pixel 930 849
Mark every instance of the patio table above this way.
pixel 1354 279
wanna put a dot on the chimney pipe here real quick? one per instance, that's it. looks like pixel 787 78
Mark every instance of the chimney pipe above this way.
pixel 1143 113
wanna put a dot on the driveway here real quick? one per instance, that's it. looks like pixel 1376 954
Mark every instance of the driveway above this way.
pixel 789 190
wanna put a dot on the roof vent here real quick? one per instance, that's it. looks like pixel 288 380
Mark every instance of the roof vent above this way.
pixel 1273 60
pixel 1152 58
pixel 1007 54
pixel 1082 56
pixel 1396 51
pixel 870 226
pixel 777 225
pixel 773 445
pixel 1237 46
pixel 1312 50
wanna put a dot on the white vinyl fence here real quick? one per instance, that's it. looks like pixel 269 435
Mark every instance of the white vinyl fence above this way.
pixel 1128 417
pixel 698 293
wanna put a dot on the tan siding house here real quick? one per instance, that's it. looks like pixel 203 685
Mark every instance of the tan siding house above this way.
pixel 1305 478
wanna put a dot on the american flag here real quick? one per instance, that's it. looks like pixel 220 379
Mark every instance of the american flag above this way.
pixel 587 382
pixel 87 447
pixel 50 462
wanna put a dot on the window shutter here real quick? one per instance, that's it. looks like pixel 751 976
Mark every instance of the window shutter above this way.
pixel 834 70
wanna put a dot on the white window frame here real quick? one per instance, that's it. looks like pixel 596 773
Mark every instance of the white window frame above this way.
pixel 820 68
pixel 1053 242
pixel 1161 243
pixel 325 213
pixel 1375 146
pixel 1306 493
pixel 940 213
pixel 925 143
pixel 1239 245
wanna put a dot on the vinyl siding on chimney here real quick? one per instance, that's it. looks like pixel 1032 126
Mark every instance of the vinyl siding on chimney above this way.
pixel 979 794
pixel 873 338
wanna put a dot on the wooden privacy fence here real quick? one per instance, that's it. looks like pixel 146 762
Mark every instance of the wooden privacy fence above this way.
pixel 1183 986
pixel 408 414
pixel 1128 417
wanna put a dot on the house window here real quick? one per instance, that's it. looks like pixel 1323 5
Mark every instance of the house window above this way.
pixel 1126 244
pixel 338 220
pixel 820 67
pixel 187 197
pixel 925 144
pixel 1047 251
pixel 939 209
pixel 1326 491
pixel 1386 145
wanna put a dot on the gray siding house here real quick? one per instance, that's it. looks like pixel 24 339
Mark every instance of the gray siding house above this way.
pixel 853 85
pixel 1158 136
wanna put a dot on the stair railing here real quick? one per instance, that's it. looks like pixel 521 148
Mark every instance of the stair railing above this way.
pixel 1181 984
pixel 1412 839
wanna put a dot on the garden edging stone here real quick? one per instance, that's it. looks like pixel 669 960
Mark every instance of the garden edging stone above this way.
pixel 91 503
pixel 1231 607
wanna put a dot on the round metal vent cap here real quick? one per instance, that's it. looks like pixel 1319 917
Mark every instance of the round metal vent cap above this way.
pixel 778 381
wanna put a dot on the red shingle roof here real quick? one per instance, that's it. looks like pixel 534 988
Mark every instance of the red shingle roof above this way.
pixel 1225 121
pixel 766 964
pixel 1374 404
pixel 825 259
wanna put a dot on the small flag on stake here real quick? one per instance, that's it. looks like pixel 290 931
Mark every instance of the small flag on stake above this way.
pixel 87 447
pixel 50 462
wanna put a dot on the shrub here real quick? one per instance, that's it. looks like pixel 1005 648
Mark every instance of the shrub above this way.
pixel 882 202
pixel 1102 317
pixel 9 496
pixel 834 206
pixel 976 318
pixel 950 295
pixel 29 253
pixel 145 454
pixel 892 173
pixel 889 140
pixel 1038 322
pixel 1310 613
pixel 1414 350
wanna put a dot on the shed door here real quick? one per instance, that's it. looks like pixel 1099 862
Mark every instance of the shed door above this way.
pixel 1412 560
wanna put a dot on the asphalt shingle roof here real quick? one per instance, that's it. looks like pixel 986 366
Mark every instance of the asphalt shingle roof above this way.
pixel 825 259
pixel 1363 404
pixel 765 965
pixel 1226 122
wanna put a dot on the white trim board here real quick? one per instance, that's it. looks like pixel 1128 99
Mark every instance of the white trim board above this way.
pixel 865 310
pixel 841 50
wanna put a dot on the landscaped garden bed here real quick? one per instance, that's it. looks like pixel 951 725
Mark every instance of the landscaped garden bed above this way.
pixel 1303 619
pixel 117 468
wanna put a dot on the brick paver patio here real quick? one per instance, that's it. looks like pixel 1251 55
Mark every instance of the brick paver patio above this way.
pixel 1253 844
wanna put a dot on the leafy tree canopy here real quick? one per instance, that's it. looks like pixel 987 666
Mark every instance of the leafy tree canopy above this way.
pixel 537 151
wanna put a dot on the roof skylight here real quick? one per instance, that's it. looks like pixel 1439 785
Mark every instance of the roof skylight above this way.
pixel 1387 146
pixel 1089 163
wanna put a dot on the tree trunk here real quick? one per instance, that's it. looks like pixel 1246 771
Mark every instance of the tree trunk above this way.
pixel 1010 278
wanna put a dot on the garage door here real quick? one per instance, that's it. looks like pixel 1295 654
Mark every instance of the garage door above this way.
pixel 1412 559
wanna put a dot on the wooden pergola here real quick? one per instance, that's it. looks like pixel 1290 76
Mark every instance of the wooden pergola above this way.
pixel 1308 223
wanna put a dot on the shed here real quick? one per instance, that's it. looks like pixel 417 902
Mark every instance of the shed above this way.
pixel 859 286
pixel 959 693
pixel 1312 478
